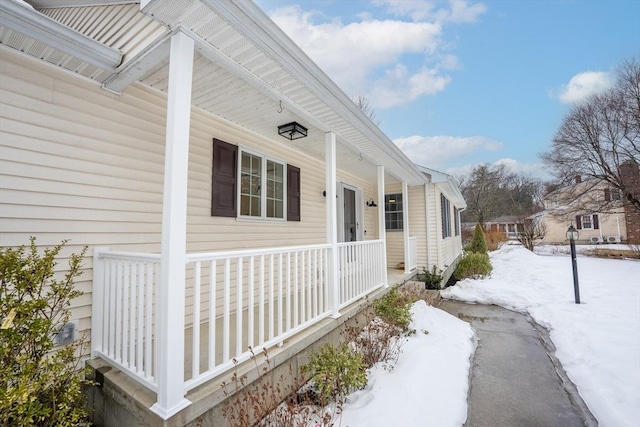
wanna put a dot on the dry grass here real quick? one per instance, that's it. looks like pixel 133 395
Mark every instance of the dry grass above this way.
pixel 494 239
pixel 612 253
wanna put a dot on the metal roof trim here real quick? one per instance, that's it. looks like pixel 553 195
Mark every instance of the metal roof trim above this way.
pixel 32 23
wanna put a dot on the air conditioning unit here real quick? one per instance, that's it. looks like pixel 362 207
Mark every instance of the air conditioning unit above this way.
pixel 595 239
pixel 613 239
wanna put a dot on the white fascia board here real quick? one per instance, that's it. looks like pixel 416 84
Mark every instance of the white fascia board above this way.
pixel 34 24
pixel 436 176
pixel 152 57
pixel 249 19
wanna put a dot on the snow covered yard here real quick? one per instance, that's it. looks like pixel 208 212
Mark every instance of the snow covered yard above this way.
pixel 428 386
pixel 598 341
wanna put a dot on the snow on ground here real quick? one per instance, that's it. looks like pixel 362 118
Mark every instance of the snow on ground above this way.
pixel 428 386
pixel 597 341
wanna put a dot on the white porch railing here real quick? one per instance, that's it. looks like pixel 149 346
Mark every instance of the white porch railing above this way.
pixel 361 269
pixel 282 291
pixel 413 253
pixel 235 301
pixel 123 325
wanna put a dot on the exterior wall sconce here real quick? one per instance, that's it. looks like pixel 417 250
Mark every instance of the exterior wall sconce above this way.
pixel 371 203
pixel 293 130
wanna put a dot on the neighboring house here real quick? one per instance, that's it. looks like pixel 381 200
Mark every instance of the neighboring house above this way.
pixel 578 205
pixel 507 224
pixel 230 194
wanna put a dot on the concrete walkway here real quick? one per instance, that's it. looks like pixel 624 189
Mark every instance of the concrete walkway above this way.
pixel 516 380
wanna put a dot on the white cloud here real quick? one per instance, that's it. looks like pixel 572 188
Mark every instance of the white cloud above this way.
pixel 418 10
pixel 583 85
pixel 389 61
pixel 433 151
pixel 398 87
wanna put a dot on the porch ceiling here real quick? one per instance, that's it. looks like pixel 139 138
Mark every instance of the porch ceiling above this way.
pixel 246 71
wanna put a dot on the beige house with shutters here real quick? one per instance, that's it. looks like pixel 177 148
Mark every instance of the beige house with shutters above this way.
pixel 230 194
pixel 593 208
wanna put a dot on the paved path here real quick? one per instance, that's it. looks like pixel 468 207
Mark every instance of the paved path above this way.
pixel 516 381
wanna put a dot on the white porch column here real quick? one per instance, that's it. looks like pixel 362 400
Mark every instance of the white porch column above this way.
pixel 405 225
pixel 382 230
pixel 171 289
pixel 332 222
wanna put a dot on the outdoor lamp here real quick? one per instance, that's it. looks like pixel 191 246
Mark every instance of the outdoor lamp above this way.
pixel 293 130
pixel 572 235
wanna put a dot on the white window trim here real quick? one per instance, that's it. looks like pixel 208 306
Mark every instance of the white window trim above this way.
pixel 384 208
pixel 590 222
pixel 263 185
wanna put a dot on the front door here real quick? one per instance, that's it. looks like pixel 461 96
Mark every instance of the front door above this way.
pixel 350 221
pixel 349 213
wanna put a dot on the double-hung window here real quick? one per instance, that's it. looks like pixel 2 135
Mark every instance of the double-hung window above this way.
pixel 445 212
pixel 393 212
pixel 262 183
pixel 587 222
pixel 247 184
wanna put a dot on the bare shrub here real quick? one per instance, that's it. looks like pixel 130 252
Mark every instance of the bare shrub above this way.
pixel 260 402
pixel 495 239
pixel 377 341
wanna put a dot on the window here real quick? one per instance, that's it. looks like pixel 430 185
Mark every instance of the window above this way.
pixel 445 212
pixel 611 194
pixel 456 219
pixel 587 222
pixel 261 193
pixel 393 211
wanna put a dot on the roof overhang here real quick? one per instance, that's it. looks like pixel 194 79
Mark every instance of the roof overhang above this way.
pixel 318 102
pixel 447 184
pixel 32 26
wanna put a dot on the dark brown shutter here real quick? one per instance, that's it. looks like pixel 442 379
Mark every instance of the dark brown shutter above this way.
pixel 607 195
pixel 293 193
pixel 596 225
pixel 578 222
pixel 224 181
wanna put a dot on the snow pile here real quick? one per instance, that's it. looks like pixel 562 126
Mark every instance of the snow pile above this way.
pixel 598 341
pixel 428 386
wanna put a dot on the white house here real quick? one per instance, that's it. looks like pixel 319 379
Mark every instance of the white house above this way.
pixel 161 135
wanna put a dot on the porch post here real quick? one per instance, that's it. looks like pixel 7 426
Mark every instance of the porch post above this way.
pixel 382 231
pixel 405 225
pixel 332 223
pixel 171 289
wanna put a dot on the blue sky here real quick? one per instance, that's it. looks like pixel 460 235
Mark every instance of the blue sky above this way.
pixel 457 83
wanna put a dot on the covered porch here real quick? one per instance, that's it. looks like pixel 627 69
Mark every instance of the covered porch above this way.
pixel 172 320
pixel 284 294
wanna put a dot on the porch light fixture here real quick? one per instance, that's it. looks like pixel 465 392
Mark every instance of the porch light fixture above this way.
pixel 371 203
pixel 293 130
pixel 572 235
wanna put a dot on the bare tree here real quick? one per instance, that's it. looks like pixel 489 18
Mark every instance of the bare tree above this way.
pixel 492 190
pixel 364 105
pixel 597 139
pixel 530 231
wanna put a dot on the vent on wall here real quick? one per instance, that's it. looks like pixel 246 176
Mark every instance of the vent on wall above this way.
pixel 66 334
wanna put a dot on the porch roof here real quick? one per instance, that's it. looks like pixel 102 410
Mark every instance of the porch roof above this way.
pixel 246 70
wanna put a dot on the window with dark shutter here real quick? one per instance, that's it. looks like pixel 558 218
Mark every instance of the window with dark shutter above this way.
pixel 579 222
pixel 596 225
pixel 607 195
pixel 293 193
pixel 224 178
